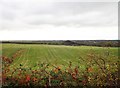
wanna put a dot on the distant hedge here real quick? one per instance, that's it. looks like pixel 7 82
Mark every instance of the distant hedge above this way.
pixel 100 43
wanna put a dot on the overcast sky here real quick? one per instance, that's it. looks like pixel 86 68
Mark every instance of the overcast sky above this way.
pixel 37 20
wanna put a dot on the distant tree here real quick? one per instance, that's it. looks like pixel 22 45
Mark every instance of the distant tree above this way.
pixel 108 44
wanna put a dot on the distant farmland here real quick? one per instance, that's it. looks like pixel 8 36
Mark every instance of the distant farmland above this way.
pixel 102 60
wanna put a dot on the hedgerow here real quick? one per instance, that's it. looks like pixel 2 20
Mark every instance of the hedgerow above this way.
pixel 98 72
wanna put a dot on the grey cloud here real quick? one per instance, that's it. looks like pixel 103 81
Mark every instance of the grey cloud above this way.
pixel 59 13
pixel 71 14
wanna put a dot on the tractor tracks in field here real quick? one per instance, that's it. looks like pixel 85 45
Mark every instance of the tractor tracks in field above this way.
pixel 22 59
pixel 11 60
pixel 55 54
pixel 20 53
pixel 34 54
pixel 52 53
pixel 14 64
pixel 25 59
pixel 17 54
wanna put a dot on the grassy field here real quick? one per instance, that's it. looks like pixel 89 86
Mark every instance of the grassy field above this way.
pixel 57 55
pixel 30 55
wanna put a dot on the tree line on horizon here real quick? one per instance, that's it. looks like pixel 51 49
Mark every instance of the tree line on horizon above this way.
pixel 100 43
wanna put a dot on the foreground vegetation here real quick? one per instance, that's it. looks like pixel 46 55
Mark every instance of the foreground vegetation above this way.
pixel 52 65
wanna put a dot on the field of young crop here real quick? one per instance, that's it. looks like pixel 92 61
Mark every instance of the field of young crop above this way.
pixel 80 65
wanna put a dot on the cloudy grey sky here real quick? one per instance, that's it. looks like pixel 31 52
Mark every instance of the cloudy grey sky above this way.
pixel 51 20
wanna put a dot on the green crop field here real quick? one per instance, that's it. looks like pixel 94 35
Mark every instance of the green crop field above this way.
pixel 30 55
pixel 57 55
